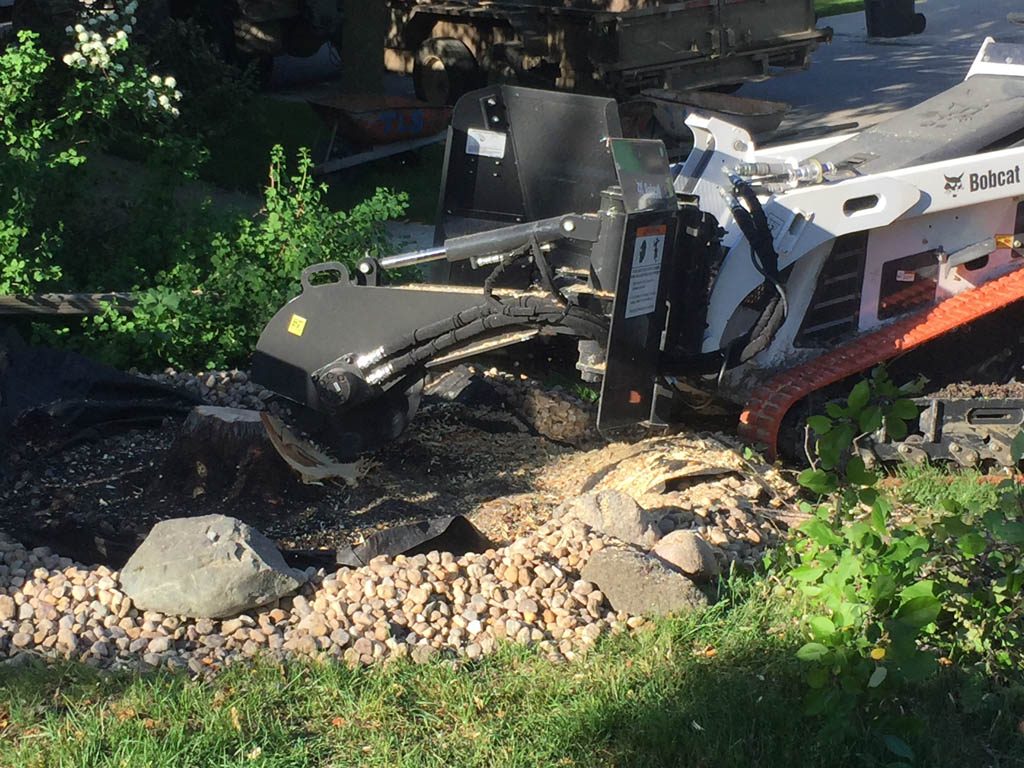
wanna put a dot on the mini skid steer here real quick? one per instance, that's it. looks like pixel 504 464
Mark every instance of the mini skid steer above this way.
pixel 756 278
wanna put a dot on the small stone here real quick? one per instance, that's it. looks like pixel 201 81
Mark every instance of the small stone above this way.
pixel 718 537
pixel 689 554
pixel 230 626
pixel 100 649
pixel 421 654
pixel 204 627
pixel 8 610
pixel 582 587
pixel 21 640
pixel 528 608
pixel 67 641
pixel 340 637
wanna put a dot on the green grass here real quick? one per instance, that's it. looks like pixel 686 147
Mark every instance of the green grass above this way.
pixel 657 699
pixel 836 7
pixel 926 486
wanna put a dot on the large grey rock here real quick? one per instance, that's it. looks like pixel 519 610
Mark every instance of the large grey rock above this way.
pixel 208 567
pixel 614 513
pixel 689 554
pixel 640 584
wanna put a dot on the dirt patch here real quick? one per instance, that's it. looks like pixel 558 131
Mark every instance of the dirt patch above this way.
pixel 96 500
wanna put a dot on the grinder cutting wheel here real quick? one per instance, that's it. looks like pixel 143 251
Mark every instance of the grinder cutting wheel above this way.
pixel 744 276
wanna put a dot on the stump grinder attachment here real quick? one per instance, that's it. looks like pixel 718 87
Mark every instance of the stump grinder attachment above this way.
pixel 756 277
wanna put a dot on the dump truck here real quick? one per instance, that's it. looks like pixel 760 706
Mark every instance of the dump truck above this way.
pixel 604 47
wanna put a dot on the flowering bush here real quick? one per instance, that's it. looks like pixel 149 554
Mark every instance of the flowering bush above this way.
pixel 53 115
pixel 206 283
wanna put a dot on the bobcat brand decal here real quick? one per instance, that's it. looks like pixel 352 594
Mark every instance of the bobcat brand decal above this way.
pixel 984 180
pixel 954 184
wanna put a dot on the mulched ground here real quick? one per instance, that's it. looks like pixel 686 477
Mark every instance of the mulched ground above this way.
pixel 97 499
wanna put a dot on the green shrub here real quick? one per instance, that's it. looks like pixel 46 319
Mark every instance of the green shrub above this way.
pixel 209 308
pixel 890 597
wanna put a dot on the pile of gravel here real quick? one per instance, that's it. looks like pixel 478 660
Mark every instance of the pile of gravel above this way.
pixel 230 389
pixel 528 593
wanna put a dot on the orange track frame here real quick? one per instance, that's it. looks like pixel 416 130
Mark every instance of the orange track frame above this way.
pixel 768 404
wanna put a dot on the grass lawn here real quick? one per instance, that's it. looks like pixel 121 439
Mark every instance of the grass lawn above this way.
pixel 836 7
pixel 720 689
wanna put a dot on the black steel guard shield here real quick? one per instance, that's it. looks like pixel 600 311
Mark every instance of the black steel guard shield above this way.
pixel 638 319
pixel 329 320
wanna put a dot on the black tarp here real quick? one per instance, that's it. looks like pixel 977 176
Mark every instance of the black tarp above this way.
pixel 59 394
pixel 443 534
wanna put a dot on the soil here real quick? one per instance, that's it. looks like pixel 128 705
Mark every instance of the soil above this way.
pixel 96 500
pixel 450 461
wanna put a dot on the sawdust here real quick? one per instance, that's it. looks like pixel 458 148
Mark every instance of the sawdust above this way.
pixel 485 463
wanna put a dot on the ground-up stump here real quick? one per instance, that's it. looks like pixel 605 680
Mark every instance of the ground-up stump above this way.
pixel 224 451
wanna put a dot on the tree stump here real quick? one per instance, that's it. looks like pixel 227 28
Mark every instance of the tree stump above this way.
pixel 224 451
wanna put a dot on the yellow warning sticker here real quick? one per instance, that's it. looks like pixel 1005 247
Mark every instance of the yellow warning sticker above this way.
pixel 1009 242
pixel 296 325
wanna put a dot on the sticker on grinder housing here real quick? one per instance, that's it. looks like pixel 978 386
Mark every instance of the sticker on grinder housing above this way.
pixel 484 143
pixel 645 271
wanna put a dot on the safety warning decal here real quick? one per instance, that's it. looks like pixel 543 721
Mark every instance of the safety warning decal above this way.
pixel 642 298
pixel 297 325
pixel 484 143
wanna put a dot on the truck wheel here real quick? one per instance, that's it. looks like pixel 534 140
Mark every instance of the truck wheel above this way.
pixel 444 70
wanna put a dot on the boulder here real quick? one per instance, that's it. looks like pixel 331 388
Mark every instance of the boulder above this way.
pixel 689 554
pixel 614 513
pixel 640 584
pixel 207 567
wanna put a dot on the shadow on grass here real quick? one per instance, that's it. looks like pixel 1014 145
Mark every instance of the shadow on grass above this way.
pixel 729 714
pixel 720 688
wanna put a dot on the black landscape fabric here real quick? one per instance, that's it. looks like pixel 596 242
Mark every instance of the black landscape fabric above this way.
pixel 62 394
pixel 443 534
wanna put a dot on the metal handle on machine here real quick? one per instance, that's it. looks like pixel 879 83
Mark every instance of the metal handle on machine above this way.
pixel 327 266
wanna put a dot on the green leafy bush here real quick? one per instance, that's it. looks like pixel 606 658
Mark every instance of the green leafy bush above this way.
pixel 98 157
pixel 892 596
pixel 209 308
pixel 54 114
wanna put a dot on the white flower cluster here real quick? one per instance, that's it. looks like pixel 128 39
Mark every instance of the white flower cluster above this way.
pixel 162 93
pixel 101 35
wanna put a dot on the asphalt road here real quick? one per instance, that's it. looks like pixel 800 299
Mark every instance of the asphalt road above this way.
pixel 862 80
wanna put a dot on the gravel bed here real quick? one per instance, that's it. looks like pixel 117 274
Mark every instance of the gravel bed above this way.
pixel 528 592
pixel 230 389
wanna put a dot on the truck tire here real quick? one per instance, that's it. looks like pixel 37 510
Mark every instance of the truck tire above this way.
pixel 444 70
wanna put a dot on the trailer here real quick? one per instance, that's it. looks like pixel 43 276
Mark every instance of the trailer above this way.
pixel 605 47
